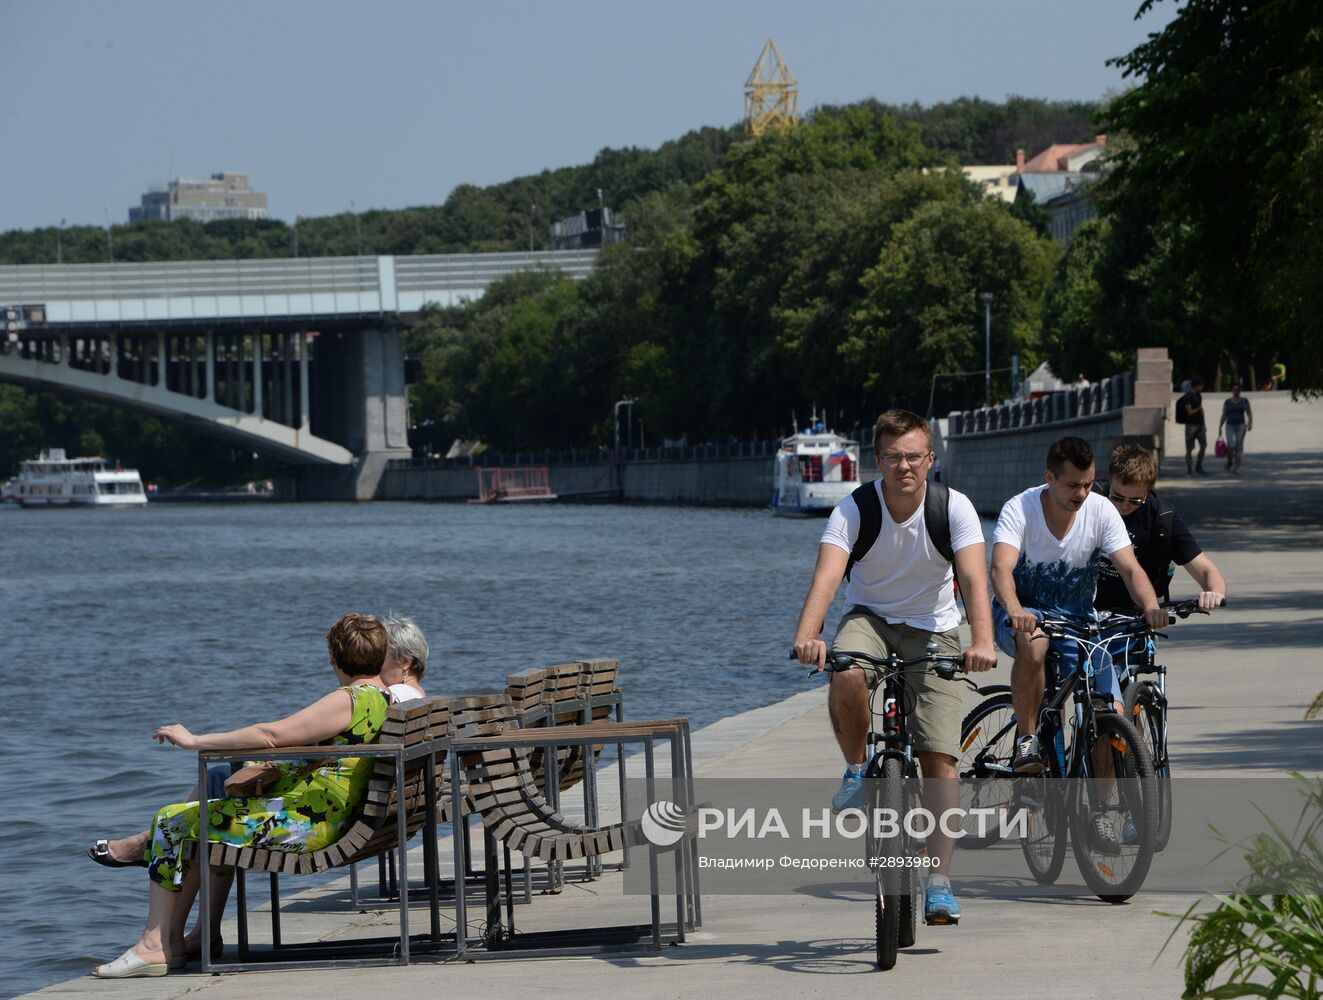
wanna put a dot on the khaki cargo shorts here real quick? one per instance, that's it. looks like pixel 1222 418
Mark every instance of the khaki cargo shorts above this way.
pixel 934 706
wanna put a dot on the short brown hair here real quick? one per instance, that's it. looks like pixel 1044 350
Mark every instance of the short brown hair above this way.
pixel 1074 450
pixel 895 423
pixel 357 644
pixel 1133 465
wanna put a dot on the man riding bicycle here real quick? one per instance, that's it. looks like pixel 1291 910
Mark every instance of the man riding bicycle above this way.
pixel 1046 552
pixel 899 598
pixel 1160 537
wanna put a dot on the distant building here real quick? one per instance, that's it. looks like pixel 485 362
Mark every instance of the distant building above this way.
pixel 596 227
pixel 1059 178
pixel 222 196
pixel 997 180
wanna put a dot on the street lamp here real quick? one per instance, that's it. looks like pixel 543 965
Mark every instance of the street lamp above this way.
pixel 59 243
pixel 987 347
pixel 627 401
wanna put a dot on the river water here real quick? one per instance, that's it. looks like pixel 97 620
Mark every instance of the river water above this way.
pixel 116 621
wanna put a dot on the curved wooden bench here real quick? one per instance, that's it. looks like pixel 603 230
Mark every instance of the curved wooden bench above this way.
pixel 411 730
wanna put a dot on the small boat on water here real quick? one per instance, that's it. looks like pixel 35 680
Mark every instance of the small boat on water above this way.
pixel 52 480
pixel 815 470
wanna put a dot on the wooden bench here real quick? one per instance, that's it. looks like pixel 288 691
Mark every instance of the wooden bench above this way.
pixel 402 797
pixel 494 760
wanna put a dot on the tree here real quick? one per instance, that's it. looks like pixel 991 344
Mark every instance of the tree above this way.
pixel 921 313
pixel 1220 180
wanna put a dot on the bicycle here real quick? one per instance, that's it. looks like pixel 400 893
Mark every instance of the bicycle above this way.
pixel 1115 862
pixel 892 777
pixel 1146 707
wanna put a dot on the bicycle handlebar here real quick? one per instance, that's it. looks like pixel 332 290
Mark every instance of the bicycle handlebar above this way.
pixel 1118 624
pixel 945 665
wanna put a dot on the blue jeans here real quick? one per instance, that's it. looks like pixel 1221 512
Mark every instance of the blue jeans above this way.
pixel 217 775
pixel 1066 663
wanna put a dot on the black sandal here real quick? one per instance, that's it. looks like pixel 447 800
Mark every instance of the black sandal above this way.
pixel 100 853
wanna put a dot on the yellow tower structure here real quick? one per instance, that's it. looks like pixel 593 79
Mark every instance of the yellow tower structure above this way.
pixel 771 94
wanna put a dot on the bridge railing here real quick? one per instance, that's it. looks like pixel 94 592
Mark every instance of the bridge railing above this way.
pixel 712 451
pixel 201 290
pixel 171 279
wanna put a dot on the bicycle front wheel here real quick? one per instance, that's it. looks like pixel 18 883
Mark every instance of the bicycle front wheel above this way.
pixel 890 795
pixel 987 741
pixel 1113 825
pixel 1145 708
pixel 1044 839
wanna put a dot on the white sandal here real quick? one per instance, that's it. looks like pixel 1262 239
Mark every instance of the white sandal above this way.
pixel 130 965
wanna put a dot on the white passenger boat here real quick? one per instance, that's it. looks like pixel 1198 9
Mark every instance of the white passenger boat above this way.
pixel 815 470
pixel 55 481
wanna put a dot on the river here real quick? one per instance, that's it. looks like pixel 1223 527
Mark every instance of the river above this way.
pixel 116 621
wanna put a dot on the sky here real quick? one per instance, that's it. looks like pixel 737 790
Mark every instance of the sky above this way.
pixel 333 104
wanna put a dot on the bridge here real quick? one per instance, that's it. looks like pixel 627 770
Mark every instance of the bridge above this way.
pixel 299 358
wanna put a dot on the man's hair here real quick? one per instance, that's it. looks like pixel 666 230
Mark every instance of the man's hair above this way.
pixel 1133 465
pixel 357 644
pixel 405 638
pixel 895 423
pixel 1196 383
pixel 1074 450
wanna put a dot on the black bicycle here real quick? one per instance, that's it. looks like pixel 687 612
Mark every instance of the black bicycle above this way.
pixel 1108 803
pixel 1146 708
pixel 892 780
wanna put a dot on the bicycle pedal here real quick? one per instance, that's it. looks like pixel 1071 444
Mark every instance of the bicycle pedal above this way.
pixel 941 920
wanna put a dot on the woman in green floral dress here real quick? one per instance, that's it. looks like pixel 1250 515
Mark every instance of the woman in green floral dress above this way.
pixel 307 808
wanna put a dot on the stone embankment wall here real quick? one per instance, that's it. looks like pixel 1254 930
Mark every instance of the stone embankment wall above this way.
pixel 990 455
pixel 992 465
pixel 738 481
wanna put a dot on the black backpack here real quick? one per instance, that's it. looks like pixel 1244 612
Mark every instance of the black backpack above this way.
pixel 936 519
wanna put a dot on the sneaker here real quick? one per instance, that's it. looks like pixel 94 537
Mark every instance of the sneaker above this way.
pixel 1102 835
pixel 1027 758
pixel 1129 832
pixel 851 793
pixel 1202 471
pixel 1189 472
pixel 940 906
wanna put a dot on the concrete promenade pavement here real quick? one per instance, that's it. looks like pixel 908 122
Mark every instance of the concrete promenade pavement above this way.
pixel 1240 682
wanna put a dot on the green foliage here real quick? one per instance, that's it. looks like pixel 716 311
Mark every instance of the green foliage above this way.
pixel 832 265
pixel 921 300
pixel 1215 196
pixel 972 130
pixel 1266 940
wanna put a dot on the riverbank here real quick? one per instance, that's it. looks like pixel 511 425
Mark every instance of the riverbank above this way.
pixel 1240 682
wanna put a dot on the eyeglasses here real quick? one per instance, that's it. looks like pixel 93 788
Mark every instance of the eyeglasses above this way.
pixel 893 459
pixel 1133 501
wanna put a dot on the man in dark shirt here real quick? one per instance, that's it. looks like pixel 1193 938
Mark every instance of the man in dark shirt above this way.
pixel 1191 407
pixel 1159 535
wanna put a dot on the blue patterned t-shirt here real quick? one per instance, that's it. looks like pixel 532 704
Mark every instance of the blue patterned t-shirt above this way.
pixel 1057 576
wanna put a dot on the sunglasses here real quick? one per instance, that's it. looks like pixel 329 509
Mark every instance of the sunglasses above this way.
pixel 1133 501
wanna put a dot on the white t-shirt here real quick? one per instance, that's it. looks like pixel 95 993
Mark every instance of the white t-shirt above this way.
pixel 1059 575
pixel 903 578
pixel 403 692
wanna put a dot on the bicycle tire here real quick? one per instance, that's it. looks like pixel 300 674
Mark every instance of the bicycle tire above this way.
pixel 987 735
pixel 909 911
pixel 1044 842
pixel 1115 876
pixel 1144 710
pixel 909 917
pixel 890 795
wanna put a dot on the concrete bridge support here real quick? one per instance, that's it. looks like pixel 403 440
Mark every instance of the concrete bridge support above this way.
pixel 358 399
